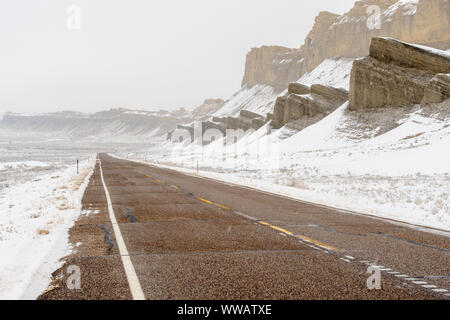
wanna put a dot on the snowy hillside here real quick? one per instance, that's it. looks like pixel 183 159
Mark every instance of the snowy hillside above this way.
pixel 390 162
pixel 259 99
pixel 331 72
pixel 114 124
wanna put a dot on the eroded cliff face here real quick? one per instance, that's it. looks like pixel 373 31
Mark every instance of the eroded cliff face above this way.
pixel 397 74
pixel 424 22
pixel 303 106
pixel 267 65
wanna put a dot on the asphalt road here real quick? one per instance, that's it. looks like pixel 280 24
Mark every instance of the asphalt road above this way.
pixel 178 236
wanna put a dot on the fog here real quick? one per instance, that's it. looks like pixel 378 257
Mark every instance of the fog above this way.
pixel 94 55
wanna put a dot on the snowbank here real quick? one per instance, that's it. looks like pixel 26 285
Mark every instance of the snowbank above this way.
pixel 34 221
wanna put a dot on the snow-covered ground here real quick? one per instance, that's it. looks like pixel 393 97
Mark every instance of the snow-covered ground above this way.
pixel 331 72
pixel 34 223
pixel 259 99
pixel 40 198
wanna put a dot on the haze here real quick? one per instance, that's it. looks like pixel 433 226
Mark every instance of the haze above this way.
pixel 139 54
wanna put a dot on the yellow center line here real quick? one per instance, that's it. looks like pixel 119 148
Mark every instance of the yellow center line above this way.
pixel 317 242
pixel 282 230
pixel 221 206
pixel 148 176
pixel 300 236
pixel 215 204
pixel 305 238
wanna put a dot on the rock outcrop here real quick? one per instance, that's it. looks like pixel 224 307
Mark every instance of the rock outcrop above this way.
pixel 304 106
pixel 397 74
pixel 208 107
pixel 438 89
pixel 267 65
pixel 237 123
pixel 425 22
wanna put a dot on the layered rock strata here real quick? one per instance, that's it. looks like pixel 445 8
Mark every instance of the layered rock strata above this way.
pixel 397 74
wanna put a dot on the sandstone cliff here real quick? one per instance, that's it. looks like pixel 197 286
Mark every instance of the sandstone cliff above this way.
pixel 399 74
pixel 425 22
pixel 303 106
pixel 267 65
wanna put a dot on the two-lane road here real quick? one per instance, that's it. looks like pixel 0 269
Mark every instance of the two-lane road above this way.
pixel 178 236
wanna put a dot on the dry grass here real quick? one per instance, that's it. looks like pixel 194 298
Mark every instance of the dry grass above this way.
pixel 43 232
pixel 80 179
pixel 64 206
pixel 414 136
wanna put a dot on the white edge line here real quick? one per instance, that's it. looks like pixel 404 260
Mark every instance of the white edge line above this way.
pixel 133 280
pixel 440 290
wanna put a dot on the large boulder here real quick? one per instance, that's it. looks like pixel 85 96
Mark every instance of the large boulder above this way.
pixel 298 88
pixel 333 94
pixel 319 99
pixel 237 123
pixel 257 123
pixel 438 89
pixel 392 51
pixel 278 112
pixel 397 74
pixel 249 115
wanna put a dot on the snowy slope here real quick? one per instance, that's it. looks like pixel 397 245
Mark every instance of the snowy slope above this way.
pixel 259 99
pixel 331 72
pixel 406 7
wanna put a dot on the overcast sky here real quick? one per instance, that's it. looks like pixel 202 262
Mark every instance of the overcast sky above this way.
pixel 138 53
